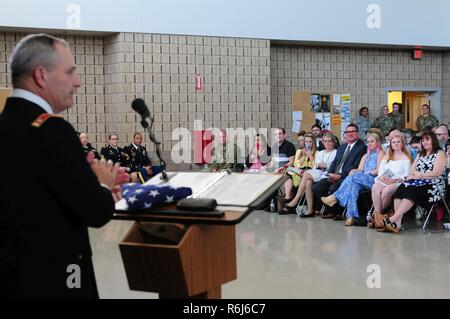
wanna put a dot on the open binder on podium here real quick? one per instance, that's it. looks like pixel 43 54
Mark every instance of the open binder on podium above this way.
pixel 232 191
pixel 180 255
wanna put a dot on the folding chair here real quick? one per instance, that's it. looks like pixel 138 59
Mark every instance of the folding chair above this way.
pixel 301 205
pixel 426 215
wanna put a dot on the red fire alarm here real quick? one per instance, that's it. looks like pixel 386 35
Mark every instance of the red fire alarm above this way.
pixel 417 53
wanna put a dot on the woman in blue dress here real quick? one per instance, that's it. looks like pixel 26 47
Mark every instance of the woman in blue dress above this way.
pixel 361 178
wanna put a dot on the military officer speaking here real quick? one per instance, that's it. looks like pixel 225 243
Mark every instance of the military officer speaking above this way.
pixel 47 205
pixel 139 162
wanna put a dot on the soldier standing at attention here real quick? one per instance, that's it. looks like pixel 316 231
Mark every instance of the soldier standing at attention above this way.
pixel 139 162
pixel 426 119
pixel 385 122
pixel 397 116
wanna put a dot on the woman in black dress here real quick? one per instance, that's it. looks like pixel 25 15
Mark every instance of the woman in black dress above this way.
pixel 424 186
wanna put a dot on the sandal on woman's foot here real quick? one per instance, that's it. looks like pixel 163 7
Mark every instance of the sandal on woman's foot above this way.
pixel 370 222
pixel 383 227
pixel 392 227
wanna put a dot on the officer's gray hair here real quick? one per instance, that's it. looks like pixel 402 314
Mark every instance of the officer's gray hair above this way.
pixel 31 51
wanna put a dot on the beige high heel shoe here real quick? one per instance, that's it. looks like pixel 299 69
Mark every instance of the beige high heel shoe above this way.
pixel 329 200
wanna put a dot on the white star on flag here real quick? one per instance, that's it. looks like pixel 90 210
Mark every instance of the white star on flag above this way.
pixel 153 193
pixel 147 205
pixel 132 199
pixel 138 191
pixel 169 199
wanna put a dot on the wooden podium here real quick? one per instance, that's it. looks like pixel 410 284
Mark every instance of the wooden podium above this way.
pixel 183 254
pixel 193 262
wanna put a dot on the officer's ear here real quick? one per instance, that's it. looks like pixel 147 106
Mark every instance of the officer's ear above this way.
pixel 40 76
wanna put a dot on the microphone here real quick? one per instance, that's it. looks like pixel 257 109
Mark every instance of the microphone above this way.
pixel 138 105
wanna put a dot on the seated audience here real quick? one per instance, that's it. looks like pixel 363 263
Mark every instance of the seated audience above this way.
pixel 304 160
pixel 347 158
pixel 229 157
pixel 301 139
pixel 315 130
pixel 259 154
pixel 87 147
pixel 139 162
pixel 425 186
pixel 415 146
pixel 114 153
pixel 442 135
pixel 393 170
pixel 283 152
pixel 358 179
pixel 323 162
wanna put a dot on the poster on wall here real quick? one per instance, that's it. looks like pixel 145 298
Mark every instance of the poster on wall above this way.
pixel 345 112
pixel 316 103
pixel 325 103
pixel 336 100
pixel 324 121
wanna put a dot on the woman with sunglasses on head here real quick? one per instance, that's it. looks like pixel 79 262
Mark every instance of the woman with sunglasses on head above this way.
pixel 425 185
pixel 324 158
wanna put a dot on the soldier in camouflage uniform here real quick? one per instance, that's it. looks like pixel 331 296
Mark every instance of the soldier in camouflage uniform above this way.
pixel 398 117
pixel 224 163
pixel 363 122
pixel 426 119
pixel 385 122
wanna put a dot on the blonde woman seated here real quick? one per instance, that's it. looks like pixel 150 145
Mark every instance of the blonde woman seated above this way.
pixel 393 170
pixel 324 158
pixel 425 185
pixel 304 160
pixel 361 178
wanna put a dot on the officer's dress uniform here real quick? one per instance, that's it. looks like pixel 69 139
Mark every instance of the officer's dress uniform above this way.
pixel 46 205
pixel 89 148
pixel 115 154
pixel 137 160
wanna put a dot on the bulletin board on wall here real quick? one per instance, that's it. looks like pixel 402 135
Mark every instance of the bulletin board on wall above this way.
pixel 330 110
pixel 4 93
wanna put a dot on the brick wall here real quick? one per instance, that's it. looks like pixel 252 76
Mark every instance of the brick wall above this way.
pixel 247 83
pixel 161 69
pixel 446 87
pixel 364 73
pixel 88 113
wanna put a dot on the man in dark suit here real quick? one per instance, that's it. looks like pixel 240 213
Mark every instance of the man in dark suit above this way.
pixel 47 204
pixel 347 158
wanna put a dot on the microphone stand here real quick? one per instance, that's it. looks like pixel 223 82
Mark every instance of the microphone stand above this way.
pixel 144 124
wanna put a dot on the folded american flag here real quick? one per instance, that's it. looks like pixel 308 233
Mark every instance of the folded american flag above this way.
pixel 140 196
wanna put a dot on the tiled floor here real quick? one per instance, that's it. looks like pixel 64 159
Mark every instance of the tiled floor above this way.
pixel 283 257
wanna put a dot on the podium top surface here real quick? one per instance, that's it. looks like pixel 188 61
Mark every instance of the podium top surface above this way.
pixel 230 216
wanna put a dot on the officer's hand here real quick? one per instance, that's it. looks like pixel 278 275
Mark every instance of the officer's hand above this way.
pixel 149 170
pixel 105 171
pixel 90 157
